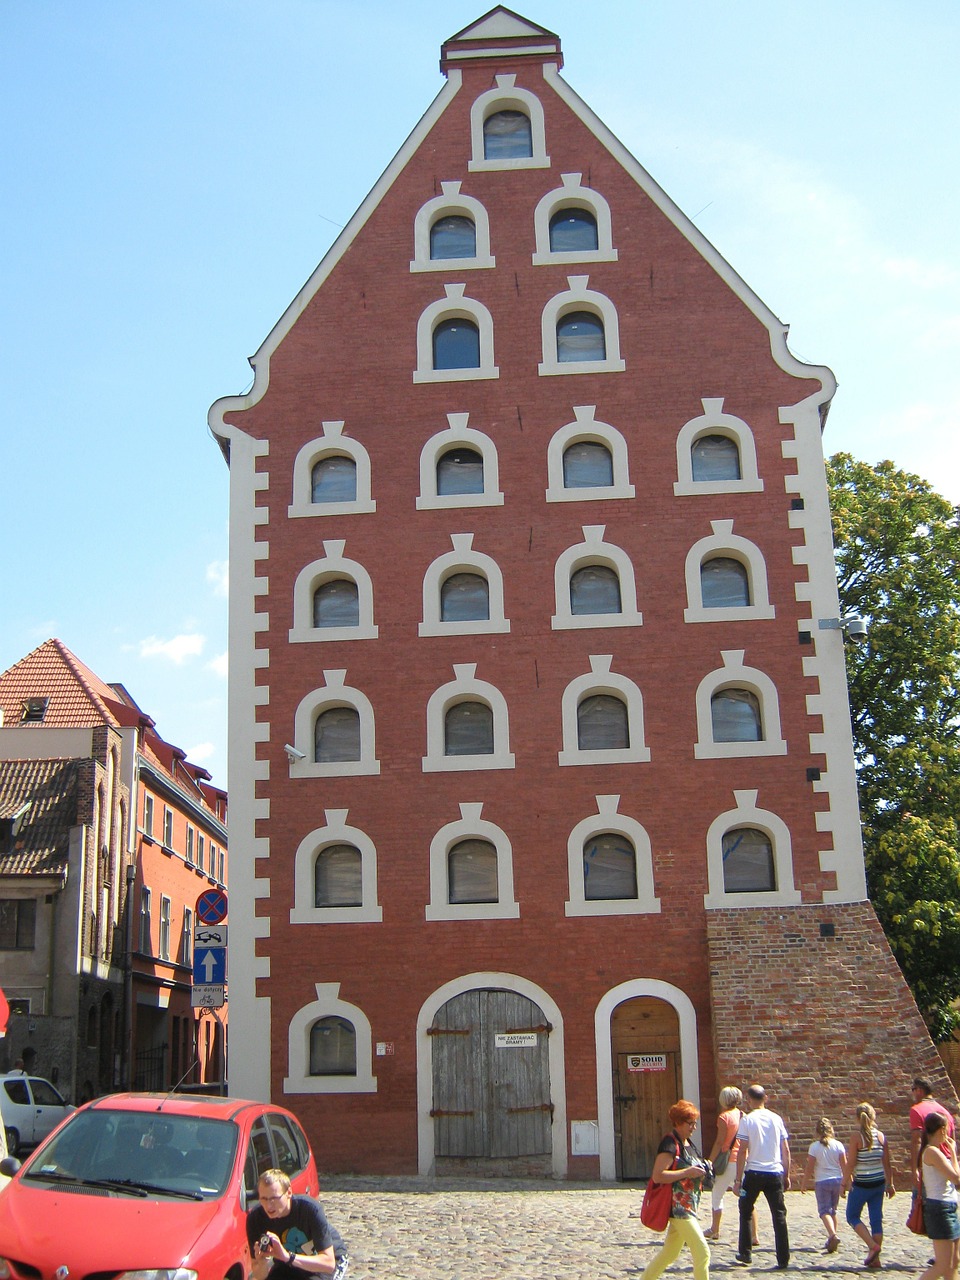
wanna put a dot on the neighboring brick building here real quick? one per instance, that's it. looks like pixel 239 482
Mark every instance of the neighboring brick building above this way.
pixel 100 993
pixel 541 764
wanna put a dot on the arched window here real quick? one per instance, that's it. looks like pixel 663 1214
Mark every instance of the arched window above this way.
pixel 735 714
pixel 609 867
pixel 336 604
pixel 724 583
pixel 594 589
pixel 464 597
pixel 333 1047
pixel 472 872
pixel 453 236
pixel 336 735
pixel 334 479
pixel 337 877
pixel 456 344
pixel 580 337
pixel 468 730
pixel 459 471
pixel 602 723
pixel 507 134
pixel 748 865
pixel 573 230
pixel 715 457
pixel 587 464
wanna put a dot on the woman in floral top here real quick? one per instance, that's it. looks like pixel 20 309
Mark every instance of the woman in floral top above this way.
pixel 675 1164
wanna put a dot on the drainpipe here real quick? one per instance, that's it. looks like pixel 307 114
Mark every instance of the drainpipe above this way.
pixel 131 877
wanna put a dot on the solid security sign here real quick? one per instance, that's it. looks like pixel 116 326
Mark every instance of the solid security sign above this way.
pixel 209 966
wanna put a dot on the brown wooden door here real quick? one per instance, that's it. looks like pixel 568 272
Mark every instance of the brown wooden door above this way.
pixel 491 1097
pixel 643 1099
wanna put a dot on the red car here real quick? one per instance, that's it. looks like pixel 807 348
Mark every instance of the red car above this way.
pixel 138 1185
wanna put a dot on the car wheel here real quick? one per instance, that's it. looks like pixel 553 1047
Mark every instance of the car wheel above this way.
pixel 13 1141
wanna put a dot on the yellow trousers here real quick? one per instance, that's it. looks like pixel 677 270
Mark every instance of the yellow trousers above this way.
pixel 680 1232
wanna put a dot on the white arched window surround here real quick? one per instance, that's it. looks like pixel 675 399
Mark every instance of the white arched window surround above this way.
pixel 328 1004
pixel 333 441
pixel 606 1069
pixel 462 559
pixel 579 297
pixel 608 819
pixel 713 421
pixel 454 306
pixel 601 680
pixel 450 203
pixel 587 427
pixel 572 195
pixel 312 576
pixel 593 550
pixel 724 542
pixel 311 846
pixel 335 693
pixel 426 1146
pixel 465 687
pixel 507 97
pixel 471 827
pixel 458 433
pixel 746 814
pixel 734 675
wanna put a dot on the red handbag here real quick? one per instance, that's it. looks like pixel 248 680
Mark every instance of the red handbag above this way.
pixel 915 1221
pixel 657 1203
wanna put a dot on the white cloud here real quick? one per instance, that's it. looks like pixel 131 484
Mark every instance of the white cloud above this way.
pixel 201 752
pixel 178 649
pixel 218 575
pixel 218 665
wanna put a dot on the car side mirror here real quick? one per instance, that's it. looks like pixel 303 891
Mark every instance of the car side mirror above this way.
pixel 9 1166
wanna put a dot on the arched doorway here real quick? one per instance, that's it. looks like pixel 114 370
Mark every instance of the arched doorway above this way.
pixel 491 1107
pixel 645 1056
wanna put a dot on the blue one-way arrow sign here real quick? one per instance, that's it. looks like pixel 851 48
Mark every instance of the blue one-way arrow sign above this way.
pixel 210 965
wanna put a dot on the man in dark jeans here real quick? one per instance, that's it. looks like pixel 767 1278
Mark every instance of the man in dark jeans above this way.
pixel 763 1165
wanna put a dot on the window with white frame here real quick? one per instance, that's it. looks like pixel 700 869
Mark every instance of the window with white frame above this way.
pixel 455 339
pixel 331 476
pixel 716 453
pixel 749 858
pixel 572 224
pixel 459 468
pixel 186 938
pixel 580 332
pixel 334 732
pixel 201 851
pixel 335 875
pixel 189 852
pixel 145 944
pixel 333 599
pixel 602 718
pixel 471 870
pixel 594 585
pixel 222 873
pixel 610 864
pixel 726 578
pixel 507 128
pixel 148 815
pixel 463 593
pixel 165 922
pixel 451 232
pixel 738 712
pixel 329 1046
pixel 587 461
pixel 468 726
pixel 167 828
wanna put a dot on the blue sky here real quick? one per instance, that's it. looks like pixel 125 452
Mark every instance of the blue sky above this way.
pixel 173 171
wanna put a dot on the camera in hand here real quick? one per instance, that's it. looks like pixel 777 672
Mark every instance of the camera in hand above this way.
pixel 263 1244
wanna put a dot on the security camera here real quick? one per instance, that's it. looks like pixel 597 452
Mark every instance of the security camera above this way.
pixel 293 754
pixel 855 628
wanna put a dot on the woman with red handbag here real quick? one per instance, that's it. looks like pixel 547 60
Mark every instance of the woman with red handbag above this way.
pixel 678 1165
pixel 940 1174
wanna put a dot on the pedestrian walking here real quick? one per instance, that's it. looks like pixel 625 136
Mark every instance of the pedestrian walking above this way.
pixel 677 1163
pixel 867 1175
pixel 921 1091
pixel 825 1168
pixel 940 1176
pixel 723 1157
pixel 763 1166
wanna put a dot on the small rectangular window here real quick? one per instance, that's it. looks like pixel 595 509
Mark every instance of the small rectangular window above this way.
pixel 201 841
pixel 186 938
pixel 165 912
pixel 190 842
pixel 146 946
pixel 148 815
pixel 18 924
pixel 168 828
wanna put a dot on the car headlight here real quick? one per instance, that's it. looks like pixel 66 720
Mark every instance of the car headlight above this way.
pixel 163 1273
pixel 5 1272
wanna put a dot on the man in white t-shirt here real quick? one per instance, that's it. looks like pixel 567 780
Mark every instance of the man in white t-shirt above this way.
pixel 763 1166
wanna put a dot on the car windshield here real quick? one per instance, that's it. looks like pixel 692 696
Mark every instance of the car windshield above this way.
pixel 158 1153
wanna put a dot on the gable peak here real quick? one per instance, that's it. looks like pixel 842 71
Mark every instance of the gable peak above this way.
pixel 497 34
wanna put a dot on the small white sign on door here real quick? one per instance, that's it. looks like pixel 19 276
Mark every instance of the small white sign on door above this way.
pixel 646 1062
pixel 515 1040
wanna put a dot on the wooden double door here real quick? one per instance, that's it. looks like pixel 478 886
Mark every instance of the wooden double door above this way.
pixel 491 1078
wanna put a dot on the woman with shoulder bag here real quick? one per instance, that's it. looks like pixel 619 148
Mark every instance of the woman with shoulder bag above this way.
pixel 723 1157
pixel 677 1164
pixel 940 1174
pixel 867 1175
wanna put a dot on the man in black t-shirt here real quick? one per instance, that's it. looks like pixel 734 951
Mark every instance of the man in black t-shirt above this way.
pixel 289 1236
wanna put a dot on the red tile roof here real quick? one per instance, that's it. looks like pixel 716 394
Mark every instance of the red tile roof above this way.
pixel 77 698
pixel 49 788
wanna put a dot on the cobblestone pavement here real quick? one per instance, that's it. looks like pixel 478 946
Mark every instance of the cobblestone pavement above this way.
pixel 413 1229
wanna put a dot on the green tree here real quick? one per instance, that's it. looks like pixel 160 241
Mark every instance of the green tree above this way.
pixel 898 564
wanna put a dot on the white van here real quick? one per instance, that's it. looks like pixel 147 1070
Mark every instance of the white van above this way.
pixel 31 1108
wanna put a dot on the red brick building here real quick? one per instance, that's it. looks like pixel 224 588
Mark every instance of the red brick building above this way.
pixel 108 834
pixel 541 768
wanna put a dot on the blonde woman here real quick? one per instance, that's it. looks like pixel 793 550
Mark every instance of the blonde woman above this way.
pixel 675 1164
pixel 728 1122
pixel 867 1174
pixel 825 1166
